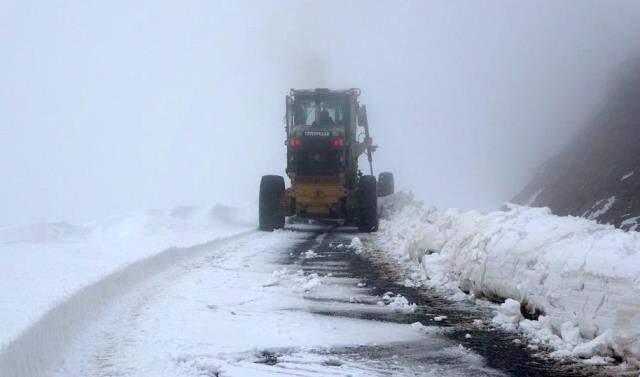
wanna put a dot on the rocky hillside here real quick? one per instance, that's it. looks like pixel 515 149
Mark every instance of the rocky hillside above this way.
pixel 598 175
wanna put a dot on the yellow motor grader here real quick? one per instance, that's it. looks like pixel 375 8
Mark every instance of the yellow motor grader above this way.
pixel 327 131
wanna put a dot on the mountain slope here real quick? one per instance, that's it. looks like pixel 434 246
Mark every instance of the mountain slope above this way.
pixel 598 175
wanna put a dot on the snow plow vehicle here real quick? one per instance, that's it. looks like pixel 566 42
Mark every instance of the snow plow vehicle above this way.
pixel 327 131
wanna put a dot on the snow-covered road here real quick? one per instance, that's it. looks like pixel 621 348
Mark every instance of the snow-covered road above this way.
pixel 133 296
pixel 305 301
pixel 257 305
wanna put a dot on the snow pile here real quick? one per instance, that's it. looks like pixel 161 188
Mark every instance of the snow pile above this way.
pixel 509 315
pixel 397 303
pixel 356 245
pixel 308 283
pixel 179 223
pixel 297 281
pixel 310 254
pixel 570 283
pixel 44 264
pixel 42 232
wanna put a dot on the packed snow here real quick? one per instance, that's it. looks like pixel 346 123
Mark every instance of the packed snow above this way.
pixel 42 265
pixel 567 282
pixel 235 311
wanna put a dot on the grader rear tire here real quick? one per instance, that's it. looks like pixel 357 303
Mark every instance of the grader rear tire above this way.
pixel 368 204
pixel 270 207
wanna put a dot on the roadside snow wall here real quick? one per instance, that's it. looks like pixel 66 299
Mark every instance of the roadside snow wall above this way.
pixel 583 277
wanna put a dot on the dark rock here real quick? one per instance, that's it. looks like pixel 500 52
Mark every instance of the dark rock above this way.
pixel 598 174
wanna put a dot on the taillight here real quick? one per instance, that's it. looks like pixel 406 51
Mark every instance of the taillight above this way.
pixel 295 142
pixel 337 142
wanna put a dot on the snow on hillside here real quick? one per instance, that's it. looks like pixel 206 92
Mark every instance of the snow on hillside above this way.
pixel 594 175
pixel 43 264
pixel 580 279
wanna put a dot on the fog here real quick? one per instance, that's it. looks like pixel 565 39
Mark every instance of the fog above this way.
pixel 108 107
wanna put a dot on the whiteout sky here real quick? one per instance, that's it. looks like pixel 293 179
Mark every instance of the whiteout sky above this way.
pixel 112 106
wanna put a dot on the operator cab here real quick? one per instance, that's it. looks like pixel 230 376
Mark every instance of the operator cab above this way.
pixel 321 127
pixel 319 110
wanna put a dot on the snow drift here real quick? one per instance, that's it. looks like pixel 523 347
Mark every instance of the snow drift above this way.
pixel 44 265
pixel 576 282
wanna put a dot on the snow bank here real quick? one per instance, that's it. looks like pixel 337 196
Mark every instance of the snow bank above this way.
pixel 42 265
pixel 570 283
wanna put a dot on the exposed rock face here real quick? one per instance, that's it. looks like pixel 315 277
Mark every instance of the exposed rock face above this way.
pixel 598 174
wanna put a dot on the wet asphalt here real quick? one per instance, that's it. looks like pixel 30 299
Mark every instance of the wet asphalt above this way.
pixel 502 352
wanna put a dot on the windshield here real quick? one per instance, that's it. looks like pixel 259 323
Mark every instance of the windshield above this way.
pixel 310 111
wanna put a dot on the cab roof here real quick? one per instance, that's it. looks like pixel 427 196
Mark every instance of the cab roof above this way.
pixel 325 92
